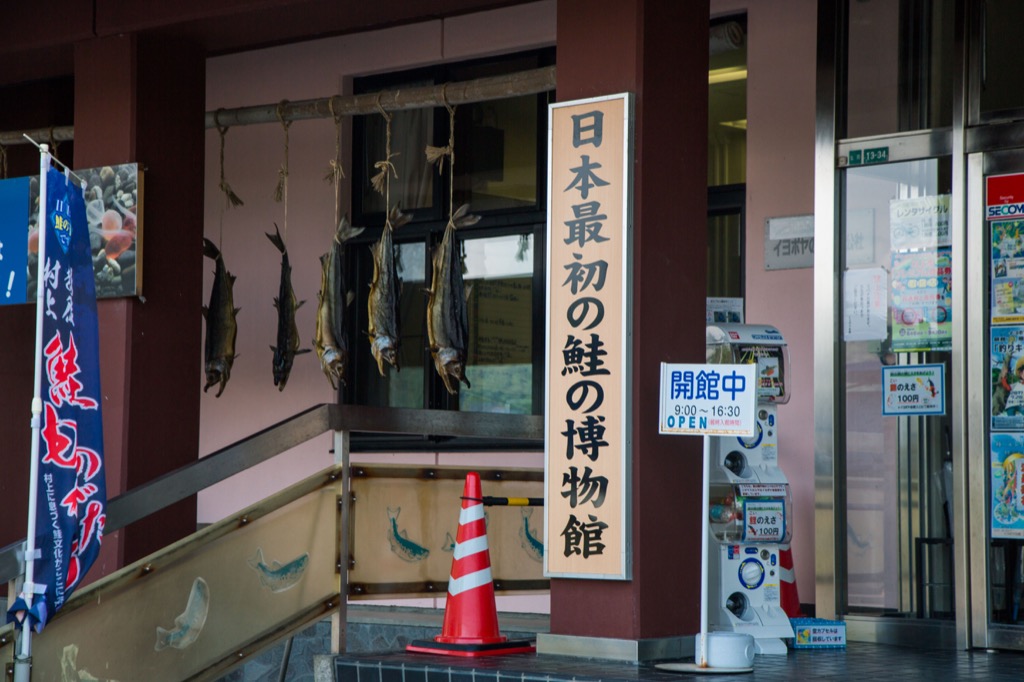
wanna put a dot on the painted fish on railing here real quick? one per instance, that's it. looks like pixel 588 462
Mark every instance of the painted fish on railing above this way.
pixel 190 623
pixel 69 671
pixel 401 545
pixel 534 547
pixel 278 577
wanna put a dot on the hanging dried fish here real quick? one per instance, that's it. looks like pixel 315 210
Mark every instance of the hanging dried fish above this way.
pixel 330 343
pixel 287 332
pixel 221 326
pixel 447 309
pixel 385 290
pixel 386 286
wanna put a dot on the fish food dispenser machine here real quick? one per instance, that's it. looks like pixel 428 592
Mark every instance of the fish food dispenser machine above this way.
pixel 750 507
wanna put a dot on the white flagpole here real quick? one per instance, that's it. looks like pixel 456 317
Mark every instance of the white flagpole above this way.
pixel 23 660
pixel 705 530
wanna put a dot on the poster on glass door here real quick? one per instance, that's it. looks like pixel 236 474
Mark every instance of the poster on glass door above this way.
pixel 1007 271
pixel 1004 213
pixel 1007 481
pixel 1006 368
pixel 921 296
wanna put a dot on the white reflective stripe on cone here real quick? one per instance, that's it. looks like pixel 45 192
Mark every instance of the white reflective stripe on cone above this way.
pixel 457 586
pixel 470 547
pixel 470 514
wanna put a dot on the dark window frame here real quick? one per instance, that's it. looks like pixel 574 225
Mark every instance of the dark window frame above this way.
pixel 426 227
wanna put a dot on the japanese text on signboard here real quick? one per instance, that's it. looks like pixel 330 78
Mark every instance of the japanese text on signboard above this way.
pixel 588 247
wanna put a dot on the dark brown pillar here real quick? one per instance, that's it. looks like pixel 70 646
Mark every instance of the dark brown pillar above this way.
pixel 23 107
pixel 658 50
pixel 141 99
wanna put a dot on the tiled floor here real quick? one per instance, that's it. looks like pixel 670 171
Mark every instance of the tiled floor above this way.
pixel 860 662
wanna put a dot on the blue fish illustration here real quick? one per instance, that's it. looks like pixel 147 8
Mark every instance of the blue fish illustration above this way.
pixel 278 577
pixel 449 543
pixel 69 671
pixel 534 547
pixel 190 623
pixel 406 549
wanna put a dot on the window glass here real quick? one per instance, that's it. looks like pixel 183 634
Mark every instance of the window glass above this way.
pixel 412 184
pixel 497 144
pixel 404 387
pixel 496 154
pixel 897 342
pixel 1001 78
pixel 499 276
pixel 725 255
pixel 497 171
pixel 899 66
pixel 727 103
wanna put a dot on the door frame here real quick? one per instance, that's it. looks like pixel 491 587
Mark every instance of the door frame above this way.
pixel 981 164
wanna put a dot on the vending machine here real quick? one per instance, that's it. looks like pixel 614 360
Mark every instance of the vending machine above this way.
pixel 750 508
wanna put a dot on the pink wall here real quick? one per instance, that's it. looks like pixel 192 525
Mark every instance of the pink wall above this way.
pixel 780 182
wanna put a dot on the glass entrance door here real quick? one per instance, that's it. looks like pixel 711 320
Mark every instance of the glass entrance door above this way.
pixel 897 342
pixel 996 370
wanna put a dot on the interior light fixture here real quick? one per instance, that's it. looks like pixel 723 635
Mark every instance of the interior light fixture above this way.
pixel 739 125
pixel 727 74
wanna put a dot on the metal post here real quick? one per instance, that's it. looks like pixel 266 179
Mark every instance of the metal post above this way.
pixel 339 619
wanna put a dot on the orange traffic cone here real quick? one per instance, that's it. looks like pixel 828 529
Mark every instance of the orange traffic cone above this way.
pixel 789 598
pixel 470 614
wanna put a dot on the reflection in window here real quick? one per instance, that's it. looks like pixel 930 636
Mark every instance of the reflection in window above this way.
pixel 899 66
pixel 498 162
pixel 727 103
pixel 1001 78
pixel 896 253
pixel 411 131
pixel 496 154
pixel 499 272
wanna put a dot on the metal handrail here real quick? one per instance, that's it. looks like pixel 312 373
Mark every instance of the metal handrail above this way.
pixel 190 479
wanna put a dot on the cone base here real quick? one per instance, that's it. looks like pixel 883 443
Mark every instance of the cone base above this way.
pixel 428 646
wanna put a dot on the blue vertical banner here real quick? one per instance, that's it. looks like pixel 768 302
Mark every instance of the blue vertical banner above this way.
pixel 14 210
pixel 71 490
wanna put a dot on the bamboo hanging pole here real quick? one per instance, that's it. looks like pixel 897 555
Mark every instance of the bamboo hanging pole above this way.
pixel 57 134
pixel 463 92
pixel 517 84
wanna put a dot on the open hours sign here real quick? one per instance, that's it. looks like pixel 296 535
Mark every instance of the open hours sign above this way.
pixel 711 400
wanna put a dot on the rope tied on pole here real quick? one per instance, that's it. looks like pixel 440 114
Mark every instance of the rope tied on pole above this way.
pixel 385 169
pixel 437 155
pixel 335 171
pixel 281 192
pixel 232 198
